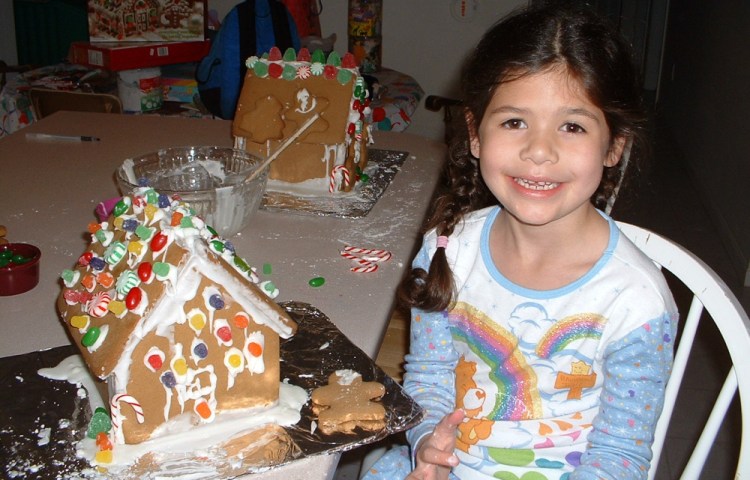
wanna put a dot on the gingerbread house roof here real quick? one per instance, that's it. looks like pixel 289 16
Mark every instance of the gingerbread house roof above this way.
pixel 143 263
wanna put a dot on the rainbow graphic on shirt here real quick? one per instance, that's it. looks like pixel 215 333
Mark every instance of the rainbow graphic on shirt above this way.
pixel 570 329
pixel 518 396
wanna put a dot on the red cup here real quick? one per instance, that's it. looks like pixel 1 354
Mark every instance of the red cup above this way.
pixel 17 278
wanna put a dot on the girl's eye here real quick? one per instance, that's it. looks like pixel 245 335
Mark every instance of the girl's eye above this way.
pixel 513 124
pixel 573 128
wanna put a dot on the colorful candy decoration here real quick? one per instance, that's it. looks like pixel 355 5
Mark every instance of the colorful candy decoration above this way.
pixel 154 359
pixel 100 423
pixel 365 259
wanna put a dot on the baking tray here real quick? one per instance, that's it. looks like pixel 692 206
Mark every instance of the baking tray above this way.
pixel 43 419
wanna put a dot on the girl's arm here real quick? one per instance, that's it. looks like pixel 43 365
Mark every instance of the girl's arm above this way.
pixel 430 365
pixel 636 369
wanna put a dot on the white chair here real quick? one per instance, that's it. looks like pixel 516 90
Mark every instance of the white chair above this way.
pixel 711 294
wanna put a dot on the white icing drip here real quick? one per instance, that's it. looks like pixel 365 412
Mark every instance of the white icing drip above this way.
pixel 233 371
pixel 255 364
pixel 73 370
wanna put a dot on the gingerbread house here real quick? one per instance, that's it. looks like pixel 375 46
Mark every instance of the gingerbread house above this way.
pixel 280 94
pixel 171 317
pixel 123 19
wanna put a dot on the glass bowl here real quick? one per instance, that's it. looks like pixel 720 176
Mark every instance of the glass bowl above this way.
pixel 19 268
pixel 213 180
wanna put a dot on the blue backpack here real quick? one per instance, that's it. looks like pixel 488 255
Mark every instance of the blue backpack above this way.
pixel 250 28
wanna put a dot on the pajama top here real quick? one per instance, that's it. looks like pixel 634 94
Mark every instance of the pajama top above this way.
pixel 556 384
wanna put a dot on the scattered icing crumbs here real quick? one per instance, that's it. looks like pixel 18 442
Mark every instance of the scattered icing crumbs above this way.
pixel 313 426
pixel 43 435
pixel 324 346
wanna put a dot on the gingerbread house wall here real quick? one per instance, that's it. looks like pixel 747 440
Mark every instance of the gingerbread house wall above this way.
pixel 249 389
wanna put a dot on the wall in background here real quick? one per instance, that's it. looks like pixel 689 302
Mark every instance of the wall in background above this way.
pixel 704 99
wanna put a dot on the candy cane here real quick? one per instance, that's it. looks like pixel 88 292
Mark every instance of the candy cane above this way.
pixel 365 269
pixel 365 258
pixel 117 416
pixel 344 173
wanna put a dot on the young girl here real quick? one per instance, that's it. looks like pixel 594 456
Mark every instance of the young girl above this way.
pixel 541 337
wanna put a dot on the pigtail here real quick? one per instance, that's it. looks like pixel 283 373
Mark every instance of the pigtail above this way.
pixel 462 192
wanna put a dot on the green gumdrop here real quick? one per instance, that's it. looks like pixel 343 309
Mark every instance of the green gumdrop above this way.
pixel 186 222
pixel 100 422
pixel 217 245
pixel 289 73
pixel 161 269
pixel 67 275
pixel 142 232
pixel 260 69
pixel 318 57
pixel 290 55
pixel 343 76
pixel 334 59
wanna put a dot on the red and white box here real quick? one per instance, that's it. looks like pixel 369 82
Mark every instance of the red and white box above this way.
pixel 147 20
pixel 116 56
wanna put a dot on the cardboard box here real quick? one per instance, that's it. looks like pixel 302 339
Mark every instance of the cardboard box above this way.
pixel 147 20
pixel 128 56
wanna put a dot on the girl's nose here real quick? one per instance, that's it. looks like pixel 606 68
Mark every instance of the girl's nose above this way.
pixel 539 149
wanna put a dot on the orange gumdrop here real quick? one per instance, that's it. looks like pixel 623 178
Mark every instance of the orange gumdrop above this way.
pixel 102 441
pixel 241 320
pixel 255 349
pixel 203 410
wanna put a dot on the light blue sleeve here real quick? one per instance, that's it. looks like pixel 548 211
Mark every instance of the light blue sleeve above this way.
pixel 430 365
pixel 636 369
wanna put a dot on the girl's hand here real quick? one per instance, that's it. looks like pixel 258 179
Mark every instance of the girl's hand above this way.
pixel 435 458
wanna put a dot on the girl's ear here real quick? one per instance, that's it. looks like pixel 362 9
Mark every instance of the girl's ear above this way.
pixel 615 150
pixel 473 135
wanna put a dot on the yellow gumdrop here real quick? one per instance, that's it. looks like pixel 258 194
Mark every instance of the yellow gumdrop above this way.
pixel 118 222
pixel 135 247
pixel 180 366
pixel 80 321
pixel 150 210
pixel 234 361
pixel 198 321
pixel 117 307
pixel 103 456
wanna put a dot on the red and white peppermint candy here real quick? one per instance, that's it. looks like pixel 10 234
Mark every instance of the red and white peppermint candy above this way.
pixel 98 304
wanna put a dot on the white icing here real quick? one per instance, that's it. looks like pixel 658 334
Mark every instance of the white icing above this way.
pixel 347 376
pixel 233 370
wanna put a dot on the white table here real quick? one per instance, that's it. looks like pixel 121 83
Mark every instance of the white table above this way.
pixel 48 192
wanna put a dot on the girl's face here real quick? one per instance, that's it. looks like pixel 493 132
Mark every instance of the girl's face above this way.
pixel 542 147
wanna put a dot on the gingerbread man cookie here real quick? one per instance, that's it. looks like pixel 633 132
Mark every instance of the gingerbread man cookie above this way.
pixel 347 402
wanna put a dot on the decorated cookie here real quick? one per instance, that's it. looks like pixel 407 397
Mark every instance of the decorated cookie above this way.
pixel 348 402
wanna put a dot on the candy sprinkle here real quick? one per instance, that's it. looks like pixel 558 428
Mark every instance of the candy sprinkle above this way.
pixel 317 282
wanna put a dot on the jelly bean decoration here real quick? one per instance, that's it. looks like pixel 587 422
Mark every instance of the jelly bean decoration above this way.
pixel 317 282
pixel 91 336
pixel 241 320
pixel 122 206
pixel 168 380
pixel 100 423
pixel 158 242
pixel 217 246
pixel 200 350
pixel 241 264
pixel 145 271
pixel 103 442
pixel 255 349
pixel 84 259
pixel 213 232
pixel 130 225
pixel 216 301
pixel 133 298
pixel 4 262
pixel 224 334
pixel 97 263
pixel 6 254
pixel 163 201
